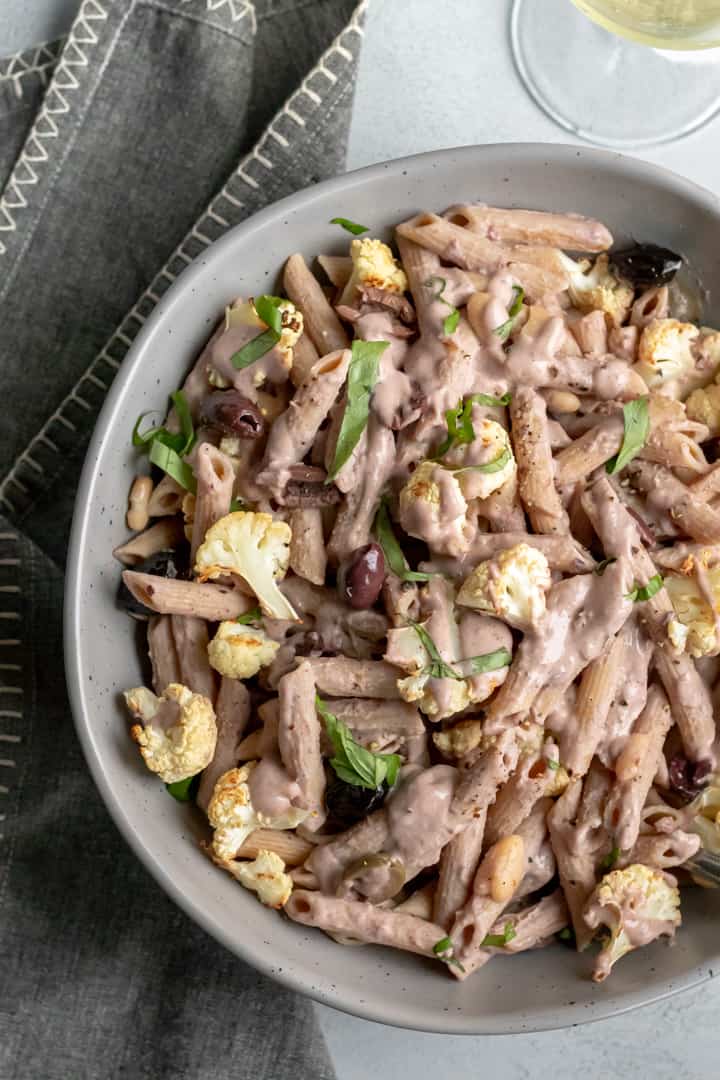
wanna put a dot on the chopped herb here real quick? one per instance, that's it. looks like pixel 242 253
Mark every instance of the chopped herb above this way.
pixel 349 226
pixel 488 399
pixel 601 566
pixel 636 420
pixel 184 790
pixel 235 505
pixel 459 420
pixel 451 320
pixel 443 949
pixel 361 378
pixel 186 425
pixel 610 859
pixel 352 762
pixel 488 661
pixel 437 668
pixel 250 616
pixel 391 549
pixel 498 941
pixel 268 309
pixel 170 462
pixel 641 593
pixel 567 935
pixel 493 466
pixel 505 329
pixel 552 764
pixel 181 441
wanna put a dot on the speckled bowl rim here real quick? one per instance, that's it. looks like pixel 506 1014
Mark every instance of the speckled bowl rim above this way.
pixel 306 981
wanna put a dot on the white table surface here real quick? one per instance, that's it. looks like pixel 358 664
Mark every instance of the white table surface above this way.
pixel 437 73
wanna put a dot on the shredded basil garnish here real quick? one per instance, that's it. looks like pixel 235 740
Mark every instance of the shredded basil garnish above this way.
pixel 450 322
pixel 459 420
pixel 361 378
pixel 437 668
pixel 268 309
pixel 392 551
pixel 352 762
pixel 493 466
pixel 505 329
pixel 641 593
pixel 170 462
pixel 452 319
pixel 236 505
pixel 490 661
pixel 552 764
pixel 636 420
pixel 610 859
pixel 600 568
pixel 181 441
pixel 349 226
pixel 497 941
pixel 184 790
pixel 443 949
pixel 252 616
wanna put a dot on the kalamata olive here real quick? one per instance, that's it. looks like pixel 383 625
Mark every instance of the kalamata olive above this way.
pixel 378 876
pixel 688 778
pixel 167 564
pixel 362 577
pixel 231 413
pixel 347 804
pixel 646 264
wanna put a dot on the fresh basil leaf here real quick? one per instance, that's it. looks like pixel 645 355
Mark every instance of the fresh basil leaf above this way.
pixel 566 934
pixel 459 427
pixel 636 420
pixel 438 285
pixel 349 226
pixel 249 617
pixel 437 668
pixel 236 505
pixel 488 399
pixel 450 322
pixel 184 790
pixel 610 859
pixel 498 941
pixel 601 566
pixel 170 462
pixel 640 593
pixel 353 763
pixel 186 425
pixel 505 329
pixel 552 764
pixel 268 309
pixel 443 949
pixel 383 530
pixel 487 662
pixel 361 378
pixel 141 439
pixel 494 466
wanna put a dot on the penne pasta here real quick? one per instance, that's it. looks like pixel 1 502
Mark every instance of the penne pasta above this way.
pixel 533 227
pixel 321 323
pixel 163 535
pixel 308 558
pixel 173 596
pixel 536 479
pixel 458 864
pixel 215 481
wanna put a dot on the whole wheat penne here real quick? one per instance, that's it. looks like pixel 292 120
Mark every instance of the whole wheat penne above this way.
pixel 379 926
pixel 305 357
pixel 458 865
pixel 357 512
pixel 636 649
pixel 173 596
pixel 165 534
pixel 419 903
pixel 661 850
pixel 665 492
pixel 482 774
pixel 232 712
pixel 215 480
pixel 307 546
pixel 251 746
pixel 532 779
pixel 678 556
pixel 321 323
pixel 707 487
pixel 191 641
pixel 623 342
pixel 163 654
pixel 167 498
pixel 635 768
pixel 591 334
pixel 598 685
pixel 291 848
pixel 690 702
pixel 569 231
pixel 535 925
pixel 563 553
pixel 503 510
pixel 337 267
pixel 589 451
pixel 651 304
pixel 299 734
pixel 340 676
pixel 536 479
pixel 368 718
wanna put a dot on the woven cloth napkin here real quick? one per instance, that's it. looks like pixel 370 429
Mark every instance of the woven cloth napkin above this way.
pixel 128 147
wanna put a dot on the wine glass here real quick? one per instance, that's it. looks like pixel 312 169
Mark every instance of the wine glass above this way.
pixel 613 90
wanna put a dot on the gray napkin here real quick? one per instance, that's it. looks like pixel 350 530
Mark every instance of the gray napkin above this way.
pixel 153 128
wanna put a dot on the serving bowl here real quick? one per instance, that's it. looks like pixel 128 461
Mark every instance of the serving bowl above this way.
pixel 535 991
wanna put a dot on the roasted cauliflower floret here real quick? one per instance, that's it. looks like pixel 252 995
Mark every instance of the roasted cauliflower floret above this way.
pixel 433 508
pixel 375 266
pixel 704 814
pixel 512 585
pixel 245 313
pixel 457 741
pixel 594 287
pixel 485 464
pixel 668 359
pixel 703 406
pixel 637 905
pixel 266 876
pixel 177 731
pixel 406 651
pixel 240 651
pixel 256 548
pixel 233 817
pixel 697 631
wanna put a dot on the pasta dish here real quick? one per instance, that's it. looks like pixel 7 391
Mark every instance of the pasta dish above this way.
pixel 428 548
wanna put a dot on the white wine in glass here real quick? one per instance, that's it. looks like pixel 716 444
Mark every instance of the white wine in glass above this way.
pixel 610 71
